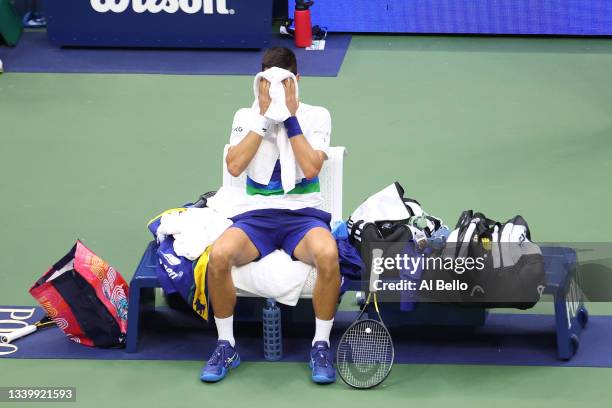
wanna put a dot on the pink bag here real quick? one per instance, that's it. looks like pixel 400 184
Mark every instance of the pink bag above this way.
pixel 87 298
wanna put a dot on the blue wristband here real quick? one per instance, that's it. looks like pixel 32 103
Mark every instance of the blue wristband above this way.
pixel 293 127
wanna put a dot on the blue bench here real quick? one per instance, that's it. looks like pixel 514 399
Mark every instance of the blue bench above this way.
pixel 142 294
pixel 563 284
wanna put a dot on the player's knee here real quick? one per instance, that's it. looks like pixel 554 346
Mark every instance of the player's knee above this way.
pixel 326 260
pixel 220 261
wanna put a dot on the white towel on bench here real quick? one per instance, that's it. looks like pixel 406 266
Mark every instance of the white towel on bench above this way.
pixel 274 276
pixel 193 230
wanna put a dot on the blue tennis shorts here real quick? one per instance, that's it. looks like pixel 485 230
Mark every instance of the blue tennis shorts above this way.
pixel 273 229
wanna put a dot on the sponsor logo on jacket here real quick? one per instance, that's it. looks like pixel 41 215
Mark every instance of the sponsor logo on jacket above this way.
pixel 166 6
pixel 171 259
pixel 172 274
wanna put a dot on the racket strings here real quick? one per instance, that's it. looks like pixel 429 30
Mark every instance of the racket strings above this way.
pixel 365 354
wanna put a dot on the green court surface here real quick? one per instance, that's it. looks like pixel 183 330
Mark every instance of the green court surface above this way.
pixel 502 125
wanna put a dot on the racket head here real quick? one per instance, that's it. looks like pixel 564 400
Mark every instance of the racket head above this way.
pixel 365 354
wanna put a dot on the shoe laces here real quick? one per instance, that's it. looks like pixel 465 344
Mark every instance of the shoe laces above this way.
pixel 321 359
pixel 218 355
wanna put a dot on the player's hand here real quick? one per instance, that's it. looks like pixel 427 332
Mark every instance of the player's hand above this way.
pixel 264 96
pixel 291 98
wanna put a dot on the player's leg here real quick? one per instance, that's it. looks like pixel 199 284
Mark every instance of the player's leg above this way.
pixel 232 248
pixel 319 248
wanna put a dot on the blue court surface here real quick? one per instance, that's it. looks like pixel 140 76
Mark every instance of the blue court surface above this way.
pixel 506 339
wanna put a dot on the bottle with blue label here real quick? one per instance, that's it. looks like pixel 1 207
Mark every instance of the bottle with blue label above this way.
pixel 273 344
pixel 437 241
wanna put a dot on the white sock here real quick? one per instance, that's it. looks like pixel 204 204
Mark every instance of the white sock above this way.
pixel 322 330
pixel 225 329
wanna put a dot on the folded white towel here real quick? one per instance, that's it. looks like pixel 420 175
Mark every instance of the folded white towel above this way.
pixel 193 230
pixel 278 145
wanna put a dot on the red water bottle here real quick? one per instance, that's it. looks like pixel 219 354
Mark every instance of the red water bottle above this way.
pixel 303 25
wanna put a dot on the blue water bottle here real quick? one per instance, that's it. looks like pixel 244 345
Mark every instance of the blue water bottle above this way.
pixel 273 345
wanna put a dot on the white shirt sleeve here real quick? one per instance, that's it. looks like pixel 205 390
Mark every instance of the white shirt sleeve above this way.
pixel 240 126
pixel 319 138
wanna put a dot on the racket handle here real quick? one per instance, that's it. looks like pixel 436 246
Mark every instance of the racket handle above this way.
pixel 376 253
pixel 17 334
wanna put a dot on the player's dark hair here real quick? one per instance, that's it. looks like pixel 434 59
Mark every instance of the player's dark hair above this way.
pixel 280 57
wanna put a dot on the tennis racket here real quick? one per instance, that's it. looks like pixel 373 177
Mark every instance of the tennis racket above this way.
pixel 24 331
pixel 365 353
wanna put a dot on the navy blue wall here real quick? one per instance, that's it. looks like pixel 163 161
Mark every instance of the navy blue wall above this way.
pixel 202 24
pixel 565 17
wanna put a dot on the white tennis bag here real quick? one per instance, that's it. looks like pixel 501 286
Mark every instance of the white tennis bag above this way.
pixel 385 217
pixel 513 273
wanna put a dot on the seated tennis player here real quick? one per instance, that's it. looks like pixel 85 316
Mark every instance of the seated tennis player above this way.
pixel 289 220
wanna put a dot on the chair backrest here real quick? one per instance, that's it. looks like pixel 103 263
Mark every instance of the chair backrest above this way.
pixel 330 178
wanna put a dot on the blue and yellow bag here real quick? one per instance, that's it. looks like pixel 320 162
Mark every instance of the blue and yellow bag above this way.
pixel 178 274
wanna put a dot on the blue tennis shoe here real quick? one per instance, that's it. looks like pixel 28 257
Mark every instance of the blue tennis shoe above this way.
pixel 223 359
pixel 321 363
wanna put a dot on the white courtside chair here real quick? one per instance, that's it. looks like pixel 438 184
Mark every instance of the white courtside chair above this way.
pixel 330 178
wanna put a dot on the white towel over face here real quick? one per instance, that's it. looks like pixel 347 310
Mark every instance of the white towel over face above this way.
pixel 276 146
pixel 277 111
